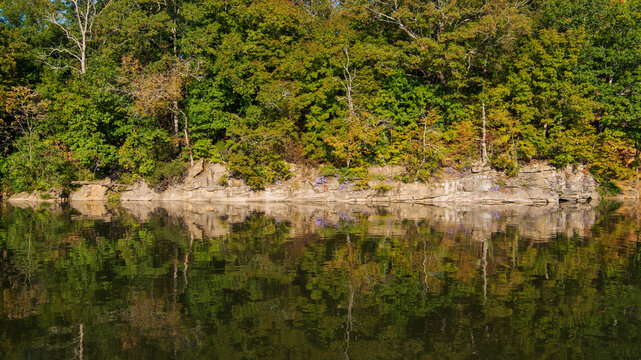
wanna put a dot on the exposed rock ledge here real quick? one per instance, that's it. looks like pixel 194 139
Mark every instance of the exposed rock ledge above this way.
pixel 51 196
pixel 535 184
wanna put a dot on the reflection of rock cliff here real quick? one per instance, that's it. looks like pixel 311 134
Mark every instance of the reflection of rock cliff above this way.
pixel 53 207
pixel 204 220
pixel 93 210
pixel 211 220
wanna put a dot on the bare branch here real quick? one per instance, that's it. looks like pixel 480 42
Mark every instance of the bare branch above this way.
pixel 62 50
pixel 349 77
pixel 52 19
pixel 391 19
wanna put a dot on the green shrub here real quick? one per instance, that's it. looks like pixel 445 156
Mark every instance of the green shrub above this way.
pixel 205 149
pixel 258 170
pixel 45 167
pixel 223 180
pixel 143 150
pixel 129 178
pixel 382 188
pixel 113 197
pixel 255 159
pixel 608 188
pixel 328 170
pixel 362 184
pixel 166 172
pixel 344 174
pixel 503 162
pixel 356 173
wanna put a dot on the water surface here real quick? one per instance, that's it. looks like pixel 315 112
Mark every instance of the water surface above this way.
pixel 165 281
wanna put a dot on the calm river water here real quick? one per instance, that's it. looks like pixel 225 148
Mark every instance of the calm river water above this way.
pixel 180 281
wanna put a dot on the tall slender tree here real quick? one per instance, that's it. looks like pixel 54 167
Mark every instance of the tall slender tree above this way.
pixel 76 19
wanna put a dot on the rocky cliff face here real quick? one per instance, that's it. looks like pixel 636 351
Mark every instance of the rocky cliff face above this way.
pixel 93 192
pixel 535 184
pixel 54 195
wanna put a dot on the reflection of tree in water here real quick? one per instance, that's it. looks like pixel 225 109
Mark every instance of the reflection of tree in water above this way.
pixel 349 321
pixel 130 288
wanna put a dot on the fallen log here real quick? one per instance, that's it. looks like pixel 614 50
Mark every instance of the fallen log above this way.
pixel 102 183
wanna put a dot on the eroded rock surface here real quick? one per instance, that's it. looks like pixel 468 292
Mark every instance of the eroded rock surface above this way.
pixel 535 184
pixel 54 195
pixel 92 192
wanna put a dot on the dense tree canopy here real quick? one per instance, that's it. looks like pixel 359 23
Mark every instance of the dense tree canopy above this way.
pixel 138 88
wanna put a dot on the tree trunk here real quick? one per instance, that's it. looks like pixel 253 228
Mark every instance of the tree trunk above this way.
pixel 191 154
pixel 81 340
pixel 484 144
pixel 85 14
pixel 349 78
pixel 484 271
pixel 83 54
pixel 347 84
pixel 174 117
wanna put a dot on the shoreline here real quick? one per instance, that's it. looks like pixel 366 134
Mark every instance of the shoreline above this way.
pixel 535 184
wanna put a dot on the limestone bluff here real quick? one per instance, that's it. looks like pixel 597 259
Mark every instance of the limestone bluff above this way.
pixel 536 183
